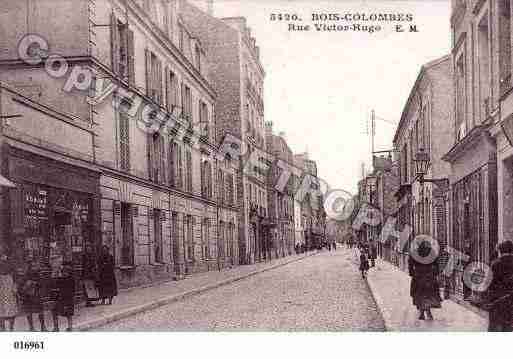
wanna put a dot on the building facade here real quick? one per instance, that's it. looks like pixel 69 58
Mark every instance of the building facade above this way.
pixel 281 202
pixel 473 158
pixel 426 127
pixel 238 77
pixel 158 209
pixel 313 214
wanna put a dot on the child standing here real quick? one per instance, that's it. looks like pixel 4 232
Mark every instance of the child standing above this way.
pixel 65 300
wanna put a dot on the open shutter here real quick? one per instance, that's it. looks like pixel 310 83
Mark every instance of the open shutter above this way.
pixel 167 89
pixel 151 235
pixel 131 57
pixel 150 150
pixel 118 235
pixel 158 84
pixel 147 61
pixel 171 155
pixel 114 43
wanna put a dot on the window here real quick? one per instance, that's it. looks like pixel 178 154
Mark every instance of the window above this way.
pixel 427 129
pixel 230 189
pixel 188 167
pixel 460 90
pixel 231 231
pixel 484 66
pixel 124 141
pixel 186 102
pixel 157 230
pixel 156 158
pixel 127 245
pixel 197 56
pixel 179 179
pixel 173 152
pixel 220 186
pixel 204 123
pixel 206 179
pixel 122 49
pixel 221 240
pixel 190 237
pixel 206 238
pixel 181 39
pixel 154 77
pixel 505 44
pixel 171 91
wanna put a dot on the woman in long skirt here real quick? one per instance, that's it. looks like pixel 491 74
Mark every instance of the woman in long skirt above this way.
pixel 8 294
pixel 107 284
pixel 424 288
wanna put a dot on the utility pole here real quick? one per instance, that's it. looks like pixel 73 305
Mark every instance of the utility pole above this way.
pixel 373 135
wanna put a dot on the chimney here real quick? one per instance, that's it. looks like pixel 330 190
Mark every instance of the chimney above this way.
pixel 210 7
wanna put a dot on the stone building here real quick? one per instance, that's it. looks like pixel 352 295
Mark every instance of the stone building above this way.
pixel 281 203
pixel 477 71
pixel 145 123
pixel 312 202
pixel 238 77
pixel 387 184
pixel 425 127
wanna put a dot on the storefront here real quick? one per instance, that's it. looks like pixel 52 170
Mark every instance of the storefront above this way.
pixel 51 215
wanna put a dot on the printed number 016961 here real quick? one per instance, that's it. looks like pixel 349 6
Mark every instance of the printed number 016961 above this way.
pixel 19 345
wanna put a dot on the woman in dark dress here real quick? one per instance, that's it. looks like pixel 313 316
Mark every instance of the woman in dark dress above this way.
pixel 65 300
pixel 364 263
pixel 31 293
pixel 107 285
pixel 424 288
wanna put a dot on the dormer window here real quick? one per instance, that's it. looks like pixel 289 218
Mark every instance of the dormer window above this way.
pixel 197 57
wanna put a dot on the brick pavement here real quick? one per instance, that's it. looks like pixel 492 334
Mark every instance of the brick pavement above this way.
pixel 136 300
pixel 391 290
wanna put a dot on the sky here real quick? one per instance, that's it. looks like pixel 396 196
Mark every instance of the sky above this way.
pixel 320 87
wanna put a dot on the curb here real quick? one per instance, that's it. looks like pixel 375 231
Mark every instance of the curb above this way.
pixel 379 304
pixel 95 323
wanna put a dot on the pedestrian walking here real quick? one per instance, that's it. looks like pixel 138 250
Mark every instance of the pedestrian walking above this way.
pixel 65 297
pixel 107 284
pixel 31 296
pixel 8 294
pixel 500 301
pixel 90 277
pixel 364 263
pixel 424 288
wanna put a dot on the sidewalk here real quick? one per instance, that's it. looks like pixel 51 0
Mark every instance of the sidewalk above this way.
pixel 399 313
pixel 136 300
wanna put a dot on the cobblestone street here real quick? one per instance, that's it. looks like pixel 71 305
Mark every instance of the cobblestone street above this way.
pixel 322 292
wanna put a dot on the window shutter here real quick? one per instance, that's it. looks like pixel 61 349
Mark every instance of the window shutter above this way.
pixel 162 161
pixel 158 79
pixel 168 89
pixel 114 43
pixel 131 58
pixel 147 61
pixel 150 149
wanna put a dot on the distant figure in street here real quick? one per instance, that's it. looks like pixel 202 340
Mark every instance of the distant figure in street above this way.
pixel 107 284
pixel 500 300
pixel 424 288
pixel 373 254
pixel 65 297
pixel 8 294
pixel 364 263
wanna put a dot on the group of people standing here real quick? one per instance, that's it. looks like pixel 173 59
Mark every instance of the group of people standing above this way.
pixel 23 293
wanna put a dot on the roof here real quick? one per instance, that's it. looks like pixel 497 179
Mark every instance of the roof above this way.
pixel 424 68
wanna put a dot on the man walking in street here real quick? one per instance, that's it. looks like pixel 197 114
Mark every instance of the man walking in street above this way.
pixel 501 290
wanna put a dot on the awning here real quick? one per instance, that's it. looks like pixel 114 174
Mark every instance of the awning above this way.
pixel 6 183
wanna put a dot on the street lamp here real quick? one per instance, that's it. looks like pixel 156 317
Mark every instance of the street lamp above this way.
pixel 421 166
